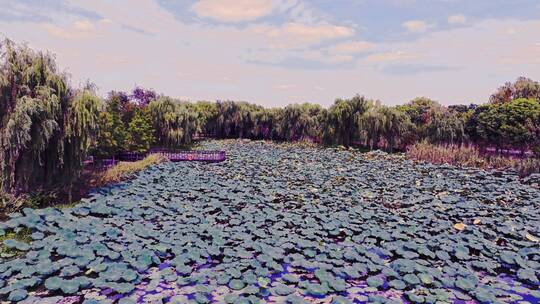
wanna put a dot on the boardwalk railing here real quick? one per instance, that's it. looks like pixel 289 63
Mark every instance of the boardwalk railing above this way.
pixel 172 155
pixel 179 155
pixel 196 155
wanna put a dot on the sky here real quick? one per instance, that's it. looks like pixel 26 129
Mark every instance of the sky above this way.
pixel 277 52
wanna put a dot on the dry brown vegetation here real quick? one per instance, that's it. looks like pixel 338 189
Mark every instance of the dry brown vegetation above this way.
pixel 469 156
pixel 124 170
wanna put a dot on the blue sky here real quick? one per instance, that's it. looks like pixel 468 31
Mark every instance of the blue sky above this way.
pixel 276 52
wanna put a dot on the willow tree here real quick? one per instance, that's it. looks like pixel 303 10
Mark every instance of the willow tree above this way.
pixel 41 123
pixel 266 123
pixel 299 122
pixel 397 128
pixel 207 112
pixel 341 121
pixel 235 119
pixel 174 122
pixel 446 127
pixel 371 125
pixel 81 132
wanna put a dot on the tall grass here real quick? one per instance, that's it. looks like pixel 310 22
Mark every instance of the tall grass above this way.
pixel 124 170
pixel 466 156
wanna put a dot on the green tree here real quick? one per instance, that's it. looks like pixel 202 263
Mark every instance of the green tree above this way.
pixel 106 145
pixel 82 128
pixel 397 128
pixel 341 121
pixel 140 132
pixel 445 127
pixel 512 124
pixel 46 127
pixel 266 123
pixel 299 122
pixel 522 88
pixel 371 125
pixel 207 112
pixel 174 122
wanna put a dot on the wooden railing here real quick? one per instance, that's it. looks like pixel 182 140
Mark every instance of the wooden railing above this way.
pixel 196 155
pixel 172 155
pixel 178 155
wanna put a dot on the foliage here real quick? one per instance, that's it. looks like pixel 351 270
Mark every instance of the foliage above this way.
pixel 298 122
pixel 341 120
pixel 522 88
pixel 21 235
pixel 235 119
pixel 174 122
pixel 46 127
pixel 508 125
pixel 207 114
pixel 114 120
pixel 140 132
pixel 143 96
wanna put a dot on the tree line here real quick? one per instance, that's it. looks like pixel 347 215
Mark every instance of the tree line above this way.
pixel 48 128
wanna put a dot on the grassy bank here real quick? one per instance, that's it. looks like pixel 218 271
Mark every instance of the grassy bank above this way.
pixel 90 179
pixel 466 156
pixel 125 170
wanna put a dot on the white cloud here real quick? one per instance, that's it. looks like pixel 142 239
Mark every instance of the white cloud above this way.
pixel 190 59
pixel 510 31
pixel 284 86
pixel 326 57
pixel 83 25
pixel 106 21
pixel 353 47
pixel 111 59
pixel 298 35
pixel 416 26
pixel 233 10
pixel 79 29
pixel 397 56
pixel 457 19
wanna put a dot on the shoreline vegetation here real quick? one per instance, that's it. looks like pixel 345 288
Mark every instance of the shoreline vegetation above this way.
pixel 471 157
pixel 48 128
pixel 126 170
pixel 91 179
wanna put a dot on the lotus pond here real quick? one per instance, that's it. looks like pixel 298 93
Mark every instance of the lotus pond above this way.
pixel 284 224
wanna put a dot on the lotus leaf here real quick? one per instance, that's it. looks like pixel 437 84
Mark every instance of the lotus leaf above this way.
pixel 375 281
pixel 286 222
pixel 17 295
pixel 316 290
pixel 127 301
pixel 236 284
pixel 466 284
pixel 69 286
pixel 283 290
pixel 341 300
pixel 53 283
